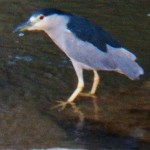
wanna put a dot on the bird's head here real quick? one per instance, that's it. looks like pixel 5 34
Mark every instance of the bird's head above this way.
pixel 42 19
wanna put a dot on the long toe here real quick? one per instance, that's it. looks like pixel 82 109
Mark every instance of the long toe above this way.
pixel 61 105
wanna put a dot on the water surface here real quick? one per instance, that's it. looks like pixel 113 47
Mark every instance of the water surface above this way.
pixel 35 74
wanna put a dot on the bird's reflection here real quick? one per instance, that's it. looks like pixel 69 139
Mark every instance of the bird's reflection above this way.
pixel 81 115
pixel 96 109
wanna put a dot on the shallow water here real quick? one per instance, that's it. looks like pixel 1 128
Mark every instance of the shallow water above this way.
pixel 35 74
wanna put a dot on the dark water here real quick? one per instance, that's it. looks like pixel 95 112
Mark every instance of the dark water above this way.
pixel 35 74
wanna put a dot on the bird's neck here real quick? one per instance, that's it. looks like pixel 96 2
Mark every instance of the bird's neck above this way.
pixel 57 33
pixel 57 37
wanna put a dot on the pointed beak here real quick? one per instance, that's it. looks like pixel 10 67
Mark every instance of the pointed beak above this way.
pixel 23 27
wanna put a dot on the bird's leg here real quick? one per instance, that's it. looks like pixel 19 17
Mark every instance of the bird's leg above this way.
pixel 71 99
pixel 76 92
pixel 94 86
pixel 80 86
pixel 95 82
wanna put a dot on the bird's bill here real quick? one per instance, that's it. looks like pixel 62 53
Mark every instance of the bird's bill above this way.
pixel 23 27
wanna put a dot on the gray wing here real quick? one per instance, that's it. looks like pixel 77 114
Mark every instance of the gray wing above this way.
pixel 87 54
pixel 118 59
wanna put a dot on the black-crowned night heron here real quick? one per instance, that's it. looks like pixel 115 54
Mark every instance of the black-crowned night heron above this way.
pixel 87 45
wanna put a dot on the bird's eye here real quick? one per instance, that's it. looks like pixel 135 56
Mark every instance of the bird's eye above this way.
pixel 41 17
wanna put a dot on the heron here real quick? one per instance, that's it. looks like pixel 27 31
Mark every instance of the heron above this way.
pixel 87 45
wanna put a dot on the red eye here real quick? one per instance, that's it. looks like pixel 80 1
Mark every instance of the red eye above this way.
pixel 41 17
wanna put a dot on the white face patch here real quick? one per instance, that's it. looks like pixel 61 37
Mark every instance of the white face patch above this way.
pixel 32 18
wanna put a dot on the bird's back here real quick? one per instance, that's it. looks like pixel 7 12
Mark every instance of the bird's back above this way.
pixel 90 32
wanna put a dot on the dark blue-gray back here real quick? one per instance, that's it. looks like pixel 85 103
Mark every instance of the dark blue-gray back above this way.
pixel 88 31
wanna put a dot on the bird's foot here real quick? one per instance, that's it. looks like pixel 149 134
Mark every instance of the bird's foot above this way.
pixel 62 105
pixel 88 95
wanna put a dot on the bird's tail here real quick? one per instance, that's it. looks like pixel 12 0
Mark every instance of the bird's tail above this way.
pixel 125 62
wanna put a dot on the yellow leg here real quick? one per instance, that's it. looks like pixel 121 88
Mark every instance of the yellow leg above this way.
pixel 80 86
pixel 94 86
pixel 70 100
pixel 76 92
pixel 95 82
